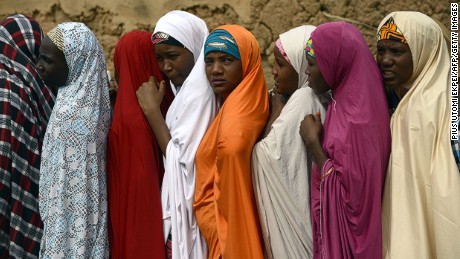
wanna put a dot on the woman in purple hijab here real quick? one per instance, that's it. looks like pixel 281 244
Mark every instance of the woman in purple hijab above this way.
pixel 351 152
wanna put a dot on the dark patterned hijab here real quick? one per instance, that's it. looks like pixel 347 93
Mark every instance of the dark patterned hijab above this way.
pixel 26 105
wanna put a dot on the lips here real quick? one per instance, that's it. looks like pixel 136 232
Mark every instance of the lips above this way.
pixel 386 74
pixel 218 82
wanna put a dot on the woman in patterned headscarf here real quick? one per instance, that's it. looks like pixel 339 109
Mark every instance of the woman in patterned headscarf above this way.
pixel 351 151
pixel 421 212
pixel 224 199
pixel 281 165
pixel 25 109
pixel 73 198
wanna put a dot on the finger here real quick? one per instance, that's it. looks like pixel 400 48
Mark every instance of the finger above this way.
pixel 318 116
pixel 152 79
pixel 162 87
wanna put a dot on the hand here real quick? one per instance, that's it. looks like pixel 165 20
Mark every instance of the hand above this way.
pixel 150 95
pixel 311 129
pixel 277 103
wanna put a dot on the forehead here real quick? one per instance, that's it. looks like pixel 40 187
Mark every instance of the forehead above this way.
pixel 166 48
pixel 218 54
pixel 49 48
pixel 310 59
pixel 391 44
pixel 278 55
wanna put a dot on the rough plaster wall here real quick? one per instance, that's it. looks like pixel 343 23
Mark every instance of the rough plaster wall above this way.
pixel 266 19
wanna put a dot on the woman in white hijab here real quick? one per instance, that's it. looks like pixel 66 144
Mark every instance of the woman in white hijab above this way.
pixel 178 35
pixel 72 194
pixel 421 208
pixel 281 164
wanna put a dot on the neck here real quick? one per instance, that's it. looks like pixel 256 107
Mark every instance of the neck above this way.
pixel 401 92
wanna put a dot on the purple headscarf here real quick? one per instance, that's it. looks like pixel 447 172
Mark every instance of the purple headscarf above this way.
pixel 346 204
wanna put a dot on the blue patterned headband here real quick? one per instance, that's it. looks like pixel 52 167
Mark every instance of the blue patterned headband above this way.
pixel 221 41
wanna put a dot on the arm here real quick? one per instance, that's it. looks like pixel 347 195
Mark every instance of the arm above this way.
pixel 277 103
pixel 149 96
pixel 310 131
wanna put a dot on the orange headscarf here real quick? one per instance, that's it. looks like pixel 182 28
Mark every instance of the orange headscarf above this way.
pixel 224 200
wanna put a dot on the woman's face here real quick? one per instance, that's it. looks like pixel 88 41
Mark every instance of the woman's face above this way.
pixel 315 78
pixel 286 78
pixel 175 62
pixel 52 66
pixel 395 62
pixel 224 72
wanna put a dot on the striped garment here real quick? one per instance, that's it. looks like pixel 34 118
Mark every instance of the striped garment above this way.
pixel 25 107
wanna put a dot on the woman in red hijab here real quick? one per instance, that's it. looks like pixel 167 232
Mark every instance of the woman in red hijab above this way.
pixel 135 162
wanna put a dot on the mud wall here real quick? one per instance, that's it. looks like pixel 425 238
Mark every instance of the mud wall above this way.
pixel 266 19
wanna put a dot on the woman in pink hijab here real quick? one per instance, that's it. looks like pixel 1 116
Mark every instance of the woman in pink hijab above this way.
pixel 351 152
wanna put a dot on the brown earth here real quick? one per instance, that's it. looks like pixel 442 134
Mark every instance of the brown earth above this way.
pixel 266 19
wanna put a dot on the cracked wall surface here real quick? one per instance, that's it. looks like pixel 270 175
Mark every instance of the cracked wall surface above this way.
pixel 266 19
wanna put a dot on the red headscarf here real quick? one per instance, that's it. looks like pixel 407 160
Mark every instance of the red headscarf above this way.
pixel 346 204
pixel 134 159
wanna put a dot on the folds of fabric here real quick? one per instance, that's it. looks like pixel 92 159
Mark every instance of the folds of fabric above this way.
pixel 421 212
pixel 134 159
pixel 73 188
pixel 224 199
pixel 25 107
pixel 346 204
pixel 281 175
pixel 282 166
pixel 188 118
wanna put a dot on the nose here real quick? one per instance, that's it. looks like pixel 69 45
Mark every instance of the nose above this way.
pixel 39 66
pixel 167 66
pixel 216 68
pixel 274 71
pixel 386 60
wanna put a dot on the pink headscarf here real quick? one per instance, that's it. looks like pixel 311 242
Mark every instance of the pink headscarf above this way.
pixel 346 205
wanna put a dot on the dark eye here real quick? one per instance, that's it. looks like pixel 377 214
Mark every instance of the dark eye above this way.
pixel 227 60
pixel 159 58
pixel 396 51
pixel 46 59
pixel 277 63
pixel 208 61
pixel 173 56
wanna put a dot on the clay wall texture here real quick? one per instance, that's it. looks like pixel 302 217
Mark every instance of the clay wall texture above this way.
pixel 266 19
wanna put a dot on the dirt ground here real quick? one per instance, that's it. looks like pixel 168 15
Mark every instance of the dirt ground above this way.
pixel 266 19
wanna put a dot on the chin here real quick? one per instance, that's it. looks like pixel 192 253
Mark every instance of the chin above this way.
pixel 219 90
pixel 177 83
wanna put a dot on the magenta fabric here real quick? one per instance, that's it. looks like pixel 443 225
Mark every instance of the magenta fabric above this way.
pixel 346 204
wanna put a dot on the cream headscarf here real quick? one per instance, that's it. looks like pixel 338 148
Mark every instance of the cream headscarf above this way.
pixel 282 166
pixel 421 212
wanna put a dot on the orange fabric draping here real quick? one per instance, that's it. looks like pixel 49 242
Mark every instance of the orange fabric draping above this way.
pixel 224 200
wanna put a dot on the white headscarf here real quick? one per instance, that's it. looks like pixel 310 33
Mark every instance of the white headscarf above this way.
pixel 188 118
pixel 72 195
pixel 421 212
pixel 282 166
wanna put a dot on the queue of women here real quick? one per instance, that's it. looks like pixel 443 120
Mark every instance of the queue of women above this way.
pixel 349 156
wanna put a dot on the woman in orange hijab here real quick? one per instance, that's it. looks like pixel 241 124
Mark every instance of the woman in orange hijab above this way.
pixel 224 200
